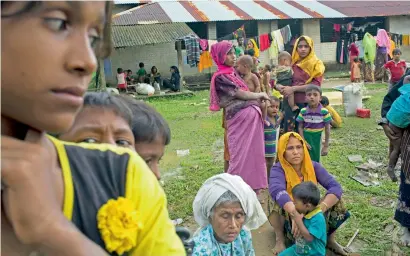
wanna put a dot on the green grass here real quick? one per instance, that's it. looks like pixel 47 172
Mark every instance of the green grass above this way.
pixel 195 128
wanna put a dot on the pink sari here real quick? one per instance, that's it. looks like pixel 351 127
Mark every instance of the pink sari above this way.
pixel 245 134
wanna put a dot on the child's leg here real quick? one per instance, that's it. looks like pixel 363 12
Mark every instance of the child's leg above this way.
pixel 269 164
pixel 394 157
pixel 291 101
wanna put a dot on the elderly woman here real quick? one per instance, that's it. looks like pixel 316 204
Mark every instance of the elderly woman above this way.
pixel 307 69
pixel 294 167
pixel 226 208
pixel 402 214
pixel 242 118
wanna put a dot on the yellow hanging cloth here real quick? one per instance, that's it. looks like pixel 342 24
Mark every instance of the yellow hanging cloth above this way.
pixel 205 61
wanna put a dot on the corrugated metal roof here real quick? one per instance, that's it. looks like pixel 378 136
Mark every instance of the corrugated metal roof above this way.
pixel 125 36
pixel 160 11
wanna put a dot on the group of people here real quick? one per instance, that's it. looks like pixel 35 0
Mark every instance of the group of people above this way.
pixel 381 60
pixel 125 78
pixel 252 123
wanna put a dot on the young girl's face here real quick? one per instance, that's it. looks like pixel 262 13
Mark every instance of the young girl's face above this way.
pixel 250 45
pixel 230 58
pixel 273 108
pixel 48 57
pixel 172 70
pixel 100 125
pixel 151 153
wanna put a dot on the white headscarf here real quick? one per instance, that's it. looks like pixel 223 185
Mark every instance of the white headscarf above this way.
pixel 212 190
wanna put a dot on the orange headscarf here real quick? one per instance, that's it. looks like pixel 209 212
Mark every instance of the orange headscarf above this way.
pixel 292 178
pixel 311 63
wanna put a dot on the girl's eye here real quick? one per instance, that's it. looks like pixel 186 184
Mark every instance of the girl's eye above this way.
pixel 123 143
pixel 89 140
pixel 57 24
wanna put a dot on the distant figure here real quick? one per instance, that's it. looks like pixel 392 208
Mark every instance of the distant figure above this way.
pixel 174 83
pixel 396 68
pixel 141 73
pixel 121 83
pixel 356 69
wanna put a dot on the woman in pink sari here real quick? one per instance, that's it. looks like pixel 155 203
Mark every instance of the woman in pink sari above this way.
pixel 243 118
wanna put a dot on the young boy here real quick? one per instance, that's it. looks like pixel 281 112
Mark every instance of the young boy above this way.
pixel 129 78
pixel 284 75
pixel 312 121
pixel 399 118
pixel 312 226
pixel 244 68
pixel 274 119
pixel 396 67
pixel 336 119
pixel 141 73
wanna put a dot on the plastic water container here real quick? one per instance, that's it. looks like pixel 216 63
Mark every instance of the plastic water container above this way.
pixel 352 98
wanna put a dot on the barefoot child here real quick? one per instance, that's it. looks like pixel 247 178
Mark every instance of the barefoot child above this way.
pixel 312 227
pixel 396 68
pixel 313 119
pixel 274 119
pixel 399 118
pixel 356 68
pixel 244 68
pixel 121 82
pixel 59 197
pixel 284 75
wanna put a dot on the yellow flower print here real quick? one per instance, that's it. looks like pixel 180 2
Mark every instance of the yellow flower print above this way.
pixel 119 222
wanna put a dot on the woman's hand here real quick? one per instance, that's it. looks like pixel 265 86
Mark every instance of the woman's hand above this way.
pixel 287 90
pixel 279 87
pixel 263 96
pixel 29 196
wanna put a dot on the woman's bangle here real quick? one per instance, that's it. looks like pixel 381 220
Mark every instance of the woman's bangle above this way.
pixel 325 204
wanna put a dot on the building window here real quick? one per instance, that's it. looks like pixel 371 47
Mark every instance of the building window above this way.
pixel 360 27
pixel 200 28
pixel 224 28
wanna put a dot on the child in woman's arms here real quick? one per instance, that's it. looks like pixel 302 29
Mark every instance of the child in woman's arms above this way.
pixel 399 118
pixel 244 68
pixel 312 226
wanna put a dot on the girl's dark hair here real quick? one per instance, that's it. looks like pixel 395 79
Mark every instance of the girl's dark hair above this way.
pixel 119 70
pixel 152 69
pixel 147 123
pixel 103 47
pixel 324 101
pixel 107 100
pixel 356 59
pixel 307 192
pixel 141 65
pixel 396 51
pixel 175 68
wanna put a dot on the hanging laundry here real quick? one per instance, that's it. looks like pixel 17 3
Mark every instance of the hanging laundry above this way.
pixel 204 44
pixel 336 27
pixel 286 34
pixel 392 47
pixel 192 50
pixel 279 40
pixel 341 52
pixel 405 40
pixel 205 61
pixel 273 49
pixel 210 43
pixel 264 42
pixel 240 32
pixel 400 40
pixel 359 45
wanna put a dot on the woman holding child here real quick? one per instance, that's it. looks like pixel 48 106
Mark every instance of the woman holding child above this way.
pixel 307 69
pixel 294 167
pixel 243 118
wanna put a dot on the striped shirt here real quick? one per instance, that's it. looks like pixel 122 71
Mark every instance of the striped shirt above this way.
pixel 314 121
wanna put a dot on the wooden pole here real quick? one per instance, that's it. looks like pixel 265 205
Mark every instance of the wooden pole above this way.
pixel 180 63
pixel 103 84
